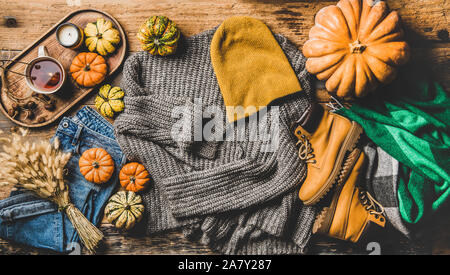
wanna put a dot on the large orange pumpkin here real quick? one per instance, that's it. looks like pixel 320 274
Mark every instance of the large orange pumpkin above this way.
pixel 88 69
pixel 134 177
pixel 354 46
pixel 96 165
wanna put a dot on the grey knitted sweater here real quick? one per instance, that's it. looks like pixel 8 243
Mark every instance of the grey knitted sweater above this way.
pixel 232 195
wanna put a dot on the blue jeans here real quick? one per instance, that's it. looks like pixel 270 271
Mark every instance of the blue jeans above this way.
pixel 36 222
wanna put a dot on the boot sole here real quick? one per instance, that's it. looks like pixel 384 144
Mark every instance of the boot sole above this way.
pixel 324 219
pixel 348 145
pixel 317 228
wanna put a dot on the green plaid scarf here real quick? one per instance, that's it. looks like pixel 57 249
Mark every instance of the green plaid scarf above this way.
pixel 410 121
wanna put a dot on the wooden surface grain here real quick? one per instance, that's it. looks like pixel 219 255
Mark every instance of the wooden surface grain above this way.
pixel 426 23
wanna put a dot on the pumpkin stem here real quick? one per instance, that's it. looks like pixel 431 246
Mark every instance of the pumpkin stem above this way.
pixel 127 206
pixel 132 179
pixel 357 47
pixel 95 164
pixel 87 67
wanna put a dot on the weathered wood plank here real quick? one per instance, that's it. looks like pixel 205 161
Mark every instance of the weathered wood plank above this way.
pixel 389 241
pixel 423 19
pixel 119 243
pixel 166 243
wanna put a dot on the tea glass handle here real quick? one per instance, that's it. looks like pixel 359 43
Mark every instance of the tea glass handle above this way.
pixel 42 51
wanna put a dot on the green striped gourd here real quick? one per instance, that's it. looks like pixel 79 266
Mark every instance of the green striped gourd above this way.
pixel 124 209
pixel 109 100
pixel 159 36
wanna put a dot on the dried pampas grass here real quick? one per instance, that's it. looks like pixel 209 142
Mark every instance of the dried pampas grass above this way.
pixel 39 168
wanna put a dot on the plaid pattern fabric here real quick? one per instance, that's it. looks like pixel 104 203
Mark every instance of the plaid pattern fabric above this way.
pixel 410 120
pixel 381 180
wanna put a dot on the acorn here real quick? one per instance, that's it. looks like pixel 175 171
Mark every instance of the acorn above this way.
pixel 50 106
pixel 14 111
pixel 30 105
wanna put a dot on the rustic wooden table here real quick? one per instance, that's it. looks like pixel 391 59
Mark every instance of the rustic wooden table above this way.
pixel 426 25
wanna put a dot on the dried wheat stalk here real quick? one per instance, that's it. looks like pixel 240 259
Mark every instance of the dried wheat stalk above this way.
pixel 39 168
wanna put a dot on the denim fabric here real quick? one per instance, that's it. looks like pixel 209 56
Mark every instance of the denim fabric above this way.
pixel 36 222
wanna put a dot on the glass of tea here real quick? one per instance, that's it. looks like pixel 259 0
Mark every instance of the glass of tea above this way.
pixel 45 74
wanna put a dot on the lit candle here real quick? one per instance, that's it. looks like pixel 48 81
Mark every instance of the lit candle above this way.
pixel 69 35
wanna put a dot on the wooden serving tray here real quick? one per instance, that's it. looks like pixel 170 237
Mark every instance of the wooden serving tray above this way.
pixel 71 93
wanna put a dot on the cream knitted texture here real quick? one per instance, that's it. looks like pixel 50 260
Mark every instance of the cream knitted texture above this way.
pixel 229 195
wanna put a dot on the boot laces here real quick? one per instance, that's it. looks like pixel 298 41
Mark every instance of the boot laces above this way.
pixel 372 205
pixel 305 151
pixel 334 104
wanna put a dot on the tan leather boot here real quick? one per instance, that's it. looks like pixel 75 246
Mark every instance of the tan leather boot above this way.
pixel 351 210
pixel 324 140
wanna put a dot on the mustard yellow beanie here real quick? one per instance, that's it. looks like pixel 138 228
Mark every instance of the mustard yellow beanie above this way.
pixel 251 68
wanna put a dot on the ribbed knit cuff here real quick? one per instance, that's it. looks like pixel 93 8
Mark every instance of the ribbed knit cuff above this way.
pixel 235 185
pixel 293 108
pixel 302 232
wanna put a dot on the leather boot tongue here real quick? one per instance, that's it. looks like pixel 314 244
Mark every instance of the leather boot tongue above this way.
pixel 251 68
pixel 310 120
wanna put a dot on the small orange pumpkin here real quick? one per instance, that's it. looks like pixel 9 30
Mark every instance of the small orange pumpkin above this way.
pixel 88 69
pixel 134 177
pixel 96 165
